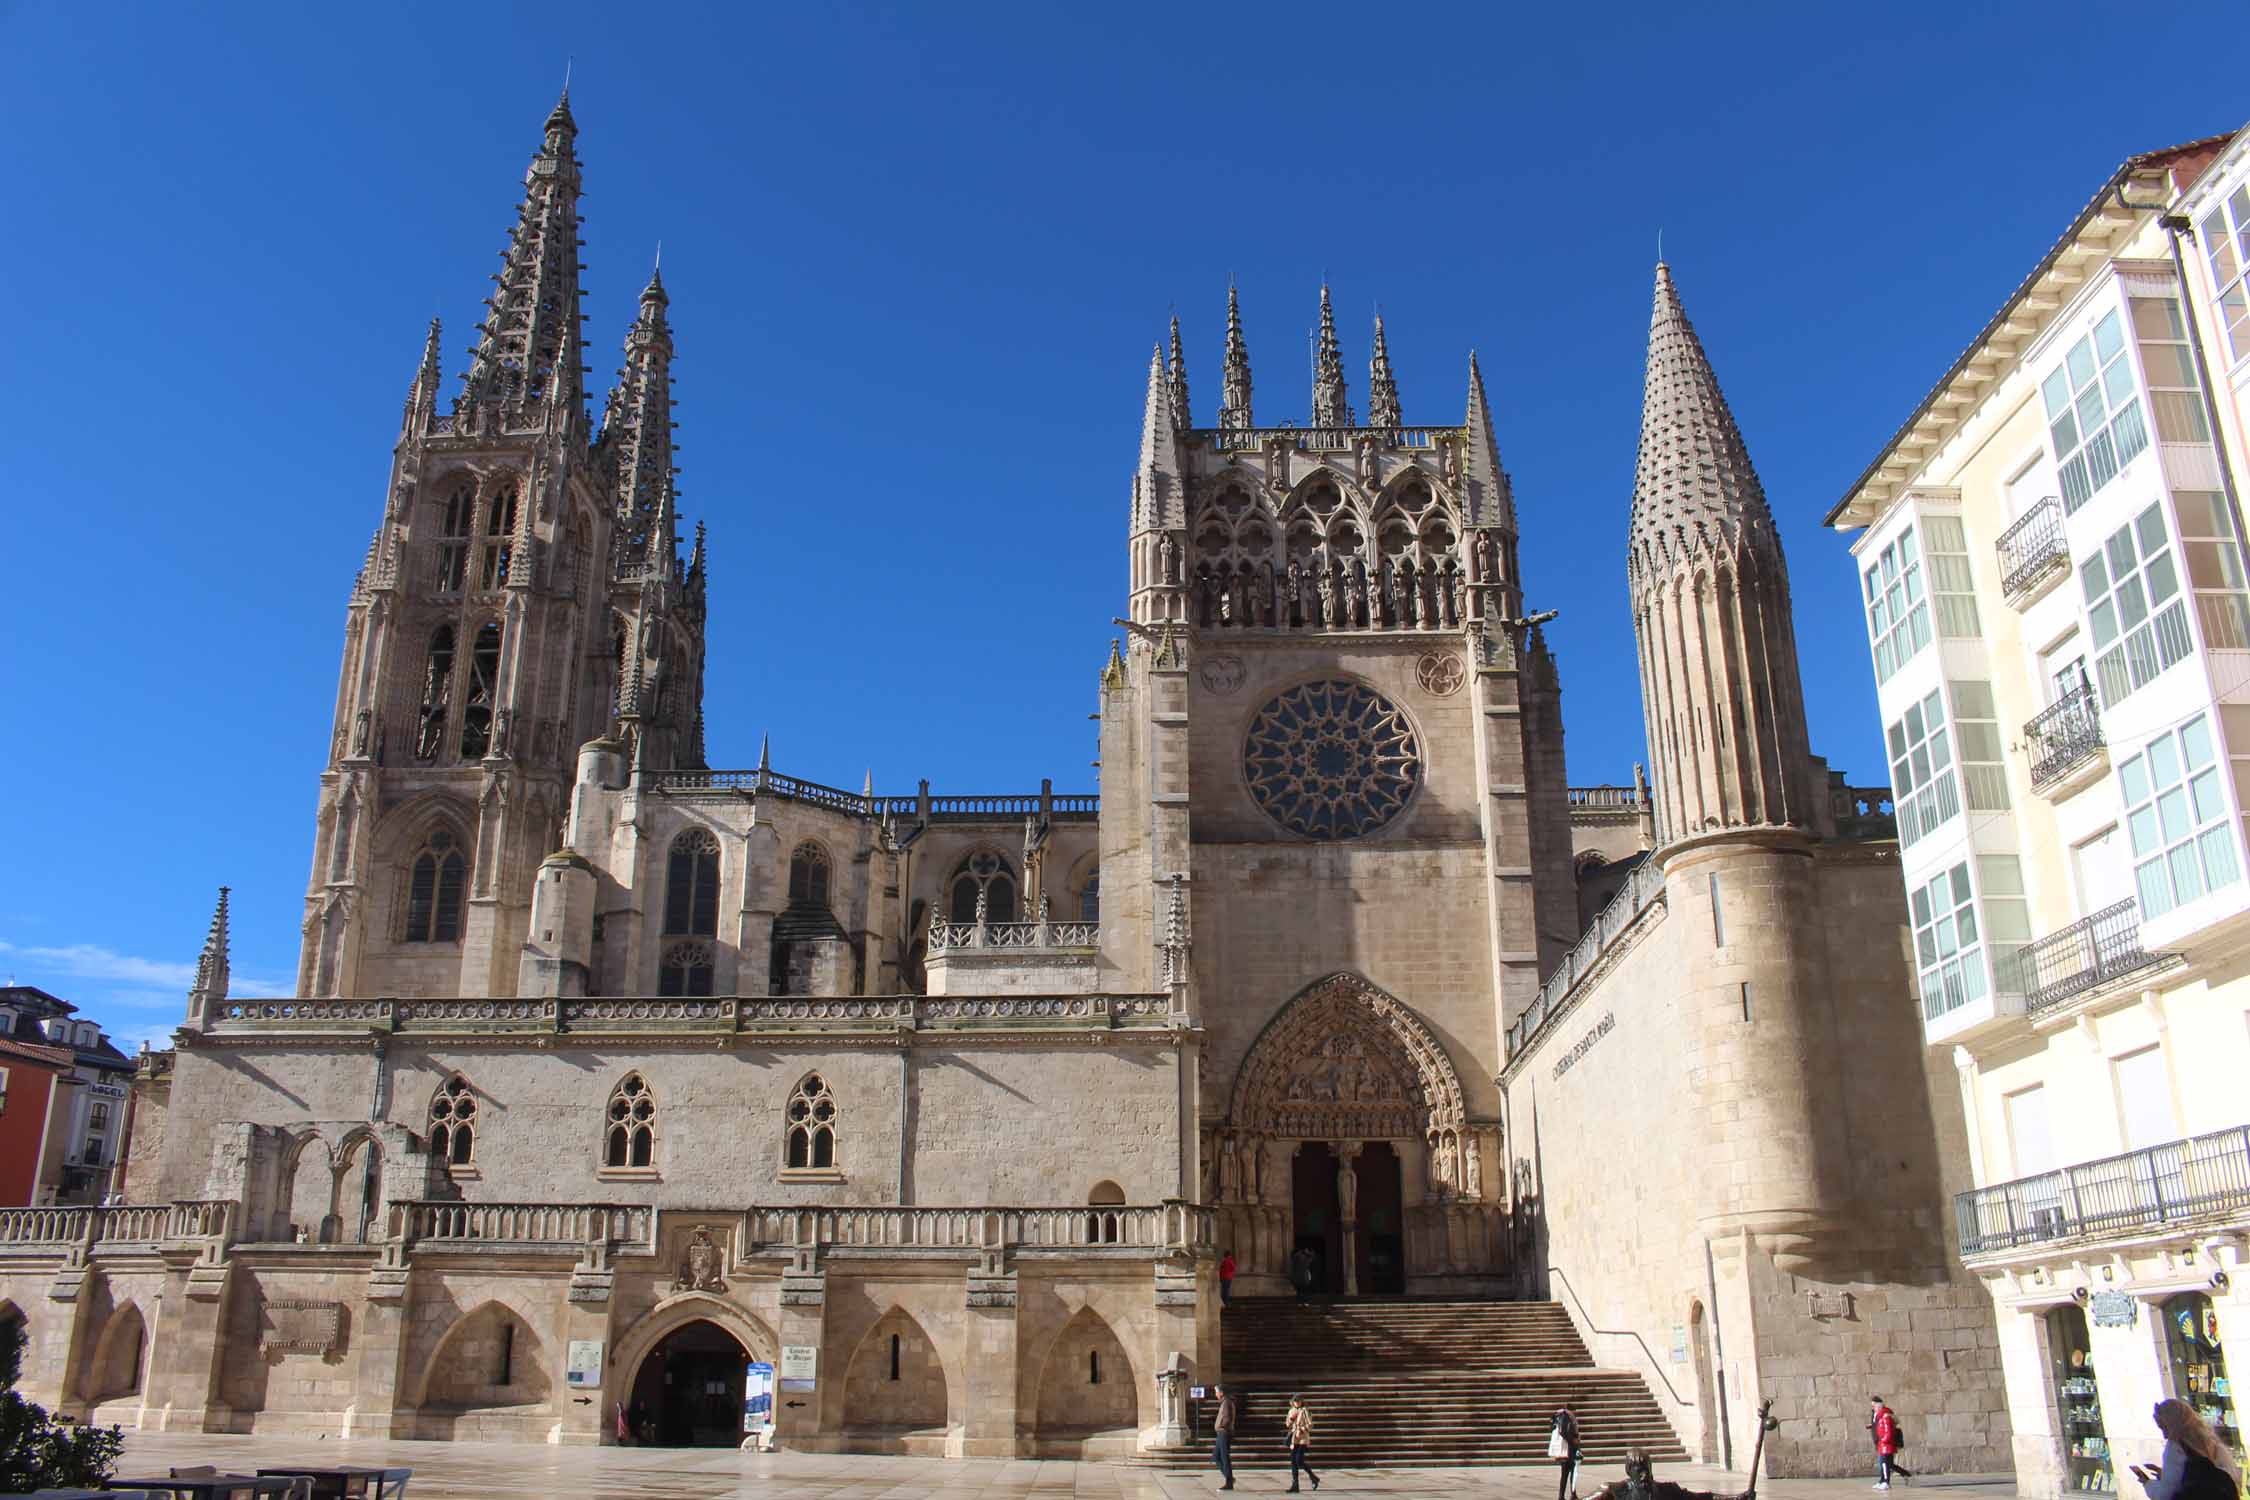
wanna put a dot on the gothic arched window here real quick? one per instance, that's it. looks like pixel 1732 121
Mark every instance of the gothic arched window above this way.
pixel 986 874
pixel 453 1122
pixel 812 1125
pixel 499 537
pixel 437 694
pixel 808 875
pixel 1090 899
pixel 691 885
pixel 435 883
pixel 632 1124
pixel 453 539
pixel 484 682
pixel 686 971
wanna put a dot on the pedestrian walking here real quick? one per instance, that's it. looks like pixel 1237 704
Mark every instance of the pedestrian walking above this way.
pixel 1563 1448
pixel 2197 1466
pixel 1301 1271
pixel 1298 1424
pixel 1222 1437
pixel 1889 1434
pixel 1226 1278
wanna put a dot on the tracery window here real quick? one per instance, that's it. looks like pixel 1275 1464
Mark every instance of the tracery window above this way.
pixel 484 679
pixel 1332 760
pixel 808 875
pixel 437 692
pixel 987 874
pixel 434 886
pixel 691 885
pixel 453 1122
pixel 812 1125
pixel 632 1124
pixel 499 537
pixel 686 971
pixel 453 539
pixel 1090 899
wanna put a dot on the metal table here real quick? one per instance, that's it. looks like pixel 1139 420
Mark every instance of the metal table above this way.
pixel 346 1481
pixel 207 1486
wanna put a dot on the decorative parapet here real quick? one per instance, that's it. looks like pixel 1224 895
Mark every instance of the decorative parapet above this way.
pixel 1643 889
pixel 1168 1227
pixel 1319 439
pixel 1050 937
pixel 722 1017
pixel 446 1225
pixel 140 1224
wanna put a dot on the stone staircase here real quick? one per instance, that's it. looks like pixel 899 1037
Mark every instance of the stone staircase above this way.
pixel 1410 1382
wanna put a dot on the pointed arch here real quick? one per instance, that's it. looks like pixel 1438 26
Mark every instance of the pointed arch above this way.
pixel 1345 1059
pixel 490 1356
pixel 987 873
pixel 691 884
pixel 359 1187
pixel 676 1312
pixel 629 1131
pixel 1086 1382
pixel 1304 495
pixel 453 1121
pixel 912 1393
pixel 310 1171
pixel 120 1356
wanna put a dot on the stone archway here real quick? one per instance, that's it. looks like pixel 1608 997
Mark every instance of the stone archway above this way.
pixel 695 1338
pixel 1342 1067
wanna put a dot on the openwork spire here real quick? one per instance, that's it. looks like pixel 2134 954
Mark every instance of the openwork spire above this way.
pixel 1382 389
pixel 528 349
pixel 638 443
pixel 1234 398
pixel 212 975
pixel 1176 376
pixel 422 395
pixel 1694 490
pixel 1330 406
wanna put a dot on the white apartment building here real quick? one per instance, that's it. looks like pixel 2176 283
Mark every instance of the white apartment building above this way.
pixel 2053 579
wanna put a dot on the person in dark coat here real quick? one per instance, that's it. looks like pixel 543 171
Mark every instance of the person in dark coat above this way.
pixel 1222 1436
pixel 1563 1448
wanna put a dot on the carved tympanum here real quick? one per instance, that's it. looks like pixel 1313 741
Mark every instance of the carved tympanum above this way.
pixel 1345 1060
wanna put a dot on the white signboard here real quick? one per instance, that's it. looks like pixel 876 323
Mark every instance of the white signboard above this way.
pixel 800 1366
pixel 585 1364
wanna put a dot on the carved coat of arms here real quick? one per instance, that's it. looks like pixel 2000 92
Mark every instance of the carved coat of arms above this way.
pixel 701 1266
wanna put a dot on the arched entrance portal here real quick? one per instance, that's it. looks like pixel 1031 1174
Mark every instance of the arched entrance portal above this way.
pixel 688 1392
pixel 1348 1164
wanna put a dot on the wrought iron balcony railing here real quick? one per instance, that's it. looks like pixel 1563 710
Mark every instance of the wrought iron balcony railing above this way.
pixel 2190 1179
pixel 2033 549
pixel 2090 952
pixel 2063 736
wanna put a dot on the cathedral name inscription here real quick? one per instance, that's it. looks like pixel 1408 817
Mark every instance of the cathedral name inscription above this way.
pixel 1585 1043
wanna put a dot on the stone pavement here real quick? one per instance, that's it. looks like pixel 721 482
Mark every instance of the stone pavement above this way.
pixel 511 1471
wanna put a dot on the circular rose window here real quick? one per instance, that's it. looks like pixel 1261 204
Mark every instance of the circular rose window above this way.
pixel 1331 760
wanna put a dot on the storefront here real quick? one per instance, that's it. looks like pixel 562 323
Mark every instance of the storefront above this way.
pixel 2078 1404
pixel 2199 1363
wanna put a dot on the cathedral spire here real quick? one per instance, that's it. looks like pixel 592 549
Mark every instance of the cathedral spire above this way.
pixel 1694 489
pixel 422 395
pixel 638 441
pixel 212 976
pixel 1157 482
pixel 1176 375
pixel 1491 499
pixel 528 349
pixel 1330 406
pixel 1234 399
pixel 1382 390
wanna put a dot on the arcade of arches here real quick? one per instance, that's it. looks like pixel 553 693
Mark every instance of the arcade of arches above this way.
pixel 1347 1164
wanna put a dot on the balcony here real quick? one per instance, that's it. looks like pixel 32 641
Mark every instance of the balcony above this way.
pixel 2033 553
pixel 2065 741
pixel 2196 1178
pixel 2087 955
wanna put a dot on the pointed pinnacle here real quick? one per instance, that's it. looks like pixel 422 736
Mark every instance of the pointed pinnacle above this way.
pixel 765 751
pixel 1234 397
pixel 1178 379
pixel 1382 388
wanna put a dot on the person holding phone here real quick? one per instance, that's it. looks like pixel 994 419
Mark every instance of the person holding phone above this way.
pixel 2197 1466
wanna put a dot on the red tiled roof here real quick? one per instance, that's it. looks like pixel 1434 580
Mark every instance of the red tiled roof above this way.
pixel 54 1057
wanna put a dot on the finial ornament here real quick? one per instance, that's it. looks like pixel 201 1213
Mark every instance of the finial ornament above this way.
pixel 1382 389
pixel 1176 376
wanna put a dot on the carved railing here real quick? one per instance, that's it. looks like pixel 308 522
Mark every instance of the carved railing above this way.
pixel 311 1012
pixel 641 1015
pixel 1609 798
pixel 770 783
pixel 418 1015
pixel 2196 1178
pixel 1166 1226
pixel 794 1010
pixel 1643 889
pixel 948 937
pixel 124 1224
pixel 45 1226
pixel 200 1219
pixel 2033 549
pixel 448 1224
pixel 1320 439
pixel 2064 736
pixel 728 1014
pixel 2086 955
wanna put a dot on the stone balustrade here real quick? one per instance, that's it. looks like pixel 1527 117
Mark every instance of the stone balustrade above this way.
pixel 1069 949
pixel 442 1225
pixel 1165 1226
pixel 127 1224
pixel 1042 936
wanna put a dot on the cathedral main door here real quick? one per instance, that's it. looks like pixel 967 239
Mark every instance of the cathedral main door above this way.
pixel 689 1391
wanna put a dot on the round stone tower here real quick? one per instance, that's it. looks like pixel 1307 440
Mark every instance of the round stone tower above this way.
pixel 1738 809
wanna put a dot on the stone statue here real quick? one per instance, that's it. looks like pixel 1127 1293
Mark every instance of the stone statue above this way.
pixel 1347 1191
pixel 1409 594
pixel 1167 560
pixel 1367 475
pixel 1324 584
pixel 1230 1170
pixel 1453 596
pixel 1296 592
pixel 1355 584
pixel 1449 460
pixel 700 1266
pixel 1472 1174
pixel 1482 552
pixel 360 726
pixel 1640 1483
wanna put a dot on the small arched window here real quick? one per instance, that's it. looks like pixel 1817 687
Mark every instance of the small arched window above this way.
pixel 632 1124
pixel 1090 899
pixel 453 539
pixel 691 885
pixel 987 875
pixel 812 1124
pixel 453 1122
pixel 1101 1221
pixel 686 970
pixel 434 886
pixel 499 537
pixel 808 875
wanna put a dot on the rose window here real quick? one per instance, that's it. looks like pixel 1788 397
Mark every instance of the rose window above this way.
pixel 1331 760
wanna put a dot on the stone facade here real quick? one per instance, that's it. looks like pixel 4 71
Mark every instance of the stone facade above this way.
pixel 610 1071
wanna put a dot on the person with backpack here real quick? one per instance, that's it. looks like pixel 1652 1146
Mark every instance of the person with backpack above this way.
pixel 1889 1434
pixel 1563 1447
pixel 2197 1466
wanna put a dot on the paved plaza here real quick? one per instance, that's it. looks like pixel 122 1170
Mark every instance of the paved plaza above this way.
pixel 506 1471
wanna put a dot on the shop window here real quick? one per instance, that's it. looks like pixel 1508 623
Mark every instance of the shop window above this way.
pixel 2199 1363
pixel 2078 1404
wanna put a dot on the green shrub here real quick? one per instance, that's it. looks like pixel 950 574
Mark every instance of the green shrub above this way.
pixel 36 1451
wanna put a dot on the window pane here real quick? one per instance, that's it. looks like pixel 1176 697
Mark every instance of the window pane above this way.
pixel 2143 826
pixel 2219 864
pixel 2187 874
pixel 2164 763
pixel 2155 891
pixel 2108 337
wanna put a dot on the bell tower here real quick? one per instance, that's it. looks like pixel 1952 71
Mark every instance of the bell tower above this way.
pixel 522 595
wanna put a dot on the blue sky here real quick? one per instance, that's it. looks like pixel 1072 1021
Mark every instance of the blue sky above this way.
pixel 917 258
